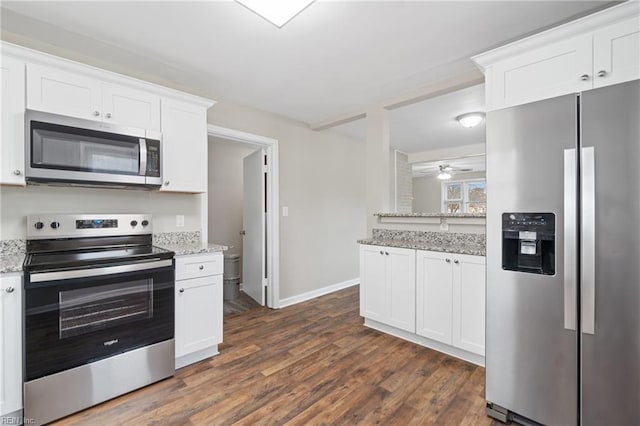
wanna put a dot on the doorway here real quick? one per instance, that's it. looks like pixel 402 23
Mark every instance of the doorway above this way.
pixel 243 207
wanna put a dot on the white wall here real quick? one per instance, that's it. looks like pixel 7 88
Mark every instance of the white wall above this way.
pixel 322 182
pixel 226 192
pixel 427 195
pixel 18 202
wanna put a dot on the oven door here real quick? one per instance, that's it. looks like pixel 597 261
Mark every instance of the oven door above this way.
pixel 76 317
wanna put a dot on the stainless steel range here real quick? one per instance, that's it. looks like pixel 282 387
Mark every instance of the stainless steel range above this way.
pixel 98 313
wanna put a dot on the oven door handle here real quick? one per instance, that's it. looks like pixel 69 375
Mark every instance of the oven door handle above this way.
pixel 38 277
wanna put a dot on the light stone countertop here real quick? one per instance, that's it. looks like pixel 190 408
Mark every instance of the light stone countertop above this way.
pixel 461 248
pixel 11 262
pixel 463 215
pixel 185 248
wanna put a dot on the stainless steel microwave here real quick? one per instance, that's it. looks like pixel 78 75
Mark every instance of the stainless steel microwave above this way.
pixel 74 151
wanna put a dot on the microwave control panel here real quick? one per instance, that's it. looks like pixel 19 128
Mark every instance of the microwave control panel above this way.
pixel 153 158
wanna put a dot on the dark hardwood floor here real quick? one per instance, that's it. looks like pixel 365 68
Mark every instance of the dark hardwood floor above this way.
pixel 312 363
pixel 241 304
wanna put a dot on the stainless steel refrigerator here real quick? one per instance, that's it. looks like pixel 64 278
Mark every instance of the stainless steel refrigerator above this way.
pixel 563 259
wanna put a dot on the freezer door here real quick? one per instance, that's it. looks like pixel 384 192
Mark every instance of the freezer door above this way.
pixel 611 255
pixel 531 358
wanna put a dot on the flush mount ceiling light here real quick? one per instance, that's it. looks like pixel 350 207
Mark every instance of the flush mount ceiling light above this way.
pixel 470 119
pixel 278 12
pixel 445 172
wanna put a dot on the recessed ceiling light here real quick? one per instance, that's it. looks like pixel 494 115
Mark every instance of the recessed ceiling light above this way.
pixel 470 119
pixel 278 12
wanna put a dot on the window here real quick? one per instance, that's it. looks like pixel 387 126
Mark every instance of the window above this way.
pixel 464 196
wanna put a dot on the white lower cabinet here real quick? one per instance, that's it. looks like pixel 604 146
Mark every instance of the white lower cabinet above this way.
pixel 10 348
pixel 469 284
pixel 199 311
pixel 432 298
pixel 387 290
pixel 450 296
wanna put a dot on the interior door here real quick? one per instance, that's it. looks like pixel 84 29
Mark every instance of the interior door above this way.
pixel 610 273
pixel 253 224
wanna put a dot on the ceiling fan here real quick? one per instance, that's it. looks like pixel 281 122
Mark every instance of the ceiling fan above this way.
pixel 445 171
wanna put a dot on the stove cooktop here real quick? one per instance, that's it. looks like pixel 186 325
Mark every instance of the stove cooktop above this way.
pixel 77 259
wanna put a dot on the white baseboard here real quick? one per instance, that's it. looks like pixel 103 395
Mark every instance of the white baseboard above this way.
pixel 317 293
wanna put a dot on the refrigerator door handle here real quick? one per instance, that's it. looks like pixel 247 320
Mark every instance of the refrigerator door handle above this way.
pixel 588 243
pixel 570 247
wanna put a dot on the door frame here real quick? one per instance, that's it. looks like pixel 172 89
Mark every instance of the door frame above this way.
pixel 273 202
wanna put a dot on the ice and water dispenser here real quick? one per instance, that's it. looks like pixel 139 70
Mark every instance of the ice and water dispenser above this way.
pixel 528 242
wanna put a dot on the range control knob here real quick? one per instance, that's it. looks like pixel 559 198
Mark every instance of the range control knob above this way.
pixel 145 222
pixel 133 223
pixel 55 225
pixel 38 225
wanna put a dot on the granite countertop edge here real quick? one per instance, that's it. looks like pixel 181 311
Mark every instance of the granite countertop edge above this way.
pixel 184 249
pixel 447 215
pixel 459 249
pixel 11 262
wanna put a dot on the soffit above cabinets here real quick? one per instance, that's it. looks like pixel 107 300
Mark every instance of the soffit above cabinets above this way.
pixel 333 58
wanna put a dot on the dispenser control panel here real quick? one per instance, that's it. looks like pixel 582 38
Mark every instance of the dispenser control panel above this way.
pixel 528 242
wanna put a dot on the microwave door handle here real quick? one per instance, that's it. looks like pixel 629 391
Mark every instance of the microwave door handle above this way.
pixel 143 157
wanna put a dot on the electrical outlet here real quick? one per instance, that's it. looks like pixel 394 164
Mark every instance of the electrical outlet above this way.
pixel 179 220
pixel 444 226
pixel 285 211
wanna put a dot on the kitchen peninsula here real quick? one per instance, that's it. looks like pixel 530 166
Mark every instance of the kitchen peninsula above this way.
pixel 424 286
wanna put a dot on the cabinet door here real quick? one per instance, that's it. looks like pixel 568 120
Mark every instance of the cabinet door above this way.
pixel 62 92
pixel 616 53
pixel 184 147
pixel 130 107
pixel 469 275
pixel 373 277
pixel 434 295
pixel 401 288
pixel 12 147
pixel 10 344
pixel 198 314
pixel 547 72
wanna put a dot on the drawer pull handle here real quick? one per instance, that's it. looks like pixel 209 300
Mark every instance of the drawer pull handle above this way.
pixel 9 289
pixel 448 260
pixel 201 267
pixel 456 261
pixel 181 290
pixel 381 252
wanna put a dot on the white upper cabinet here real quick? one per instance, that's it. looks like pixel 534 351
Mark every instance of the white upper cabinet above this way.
pixel 599 50
pixel 62 92
pixel 616 53
pixel 184 147
pixel 12 104
pixel 66 93
pixel 553 70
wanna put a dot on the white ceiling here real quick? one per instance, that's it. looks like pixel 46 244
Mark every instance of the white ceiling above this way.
pixel 336 56
pixel 430 124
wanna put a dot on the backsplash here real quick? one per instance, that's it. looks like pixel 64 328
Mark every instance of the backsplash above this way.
pixel 439 238
pixel 169 238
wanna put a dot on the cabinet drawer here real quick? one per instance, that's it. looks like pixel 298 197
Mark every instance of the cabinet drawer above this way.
pixel 199 265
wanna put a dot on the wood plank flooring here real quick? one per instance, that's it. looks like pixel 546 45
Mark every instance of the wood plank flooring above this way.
pixel 311 363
